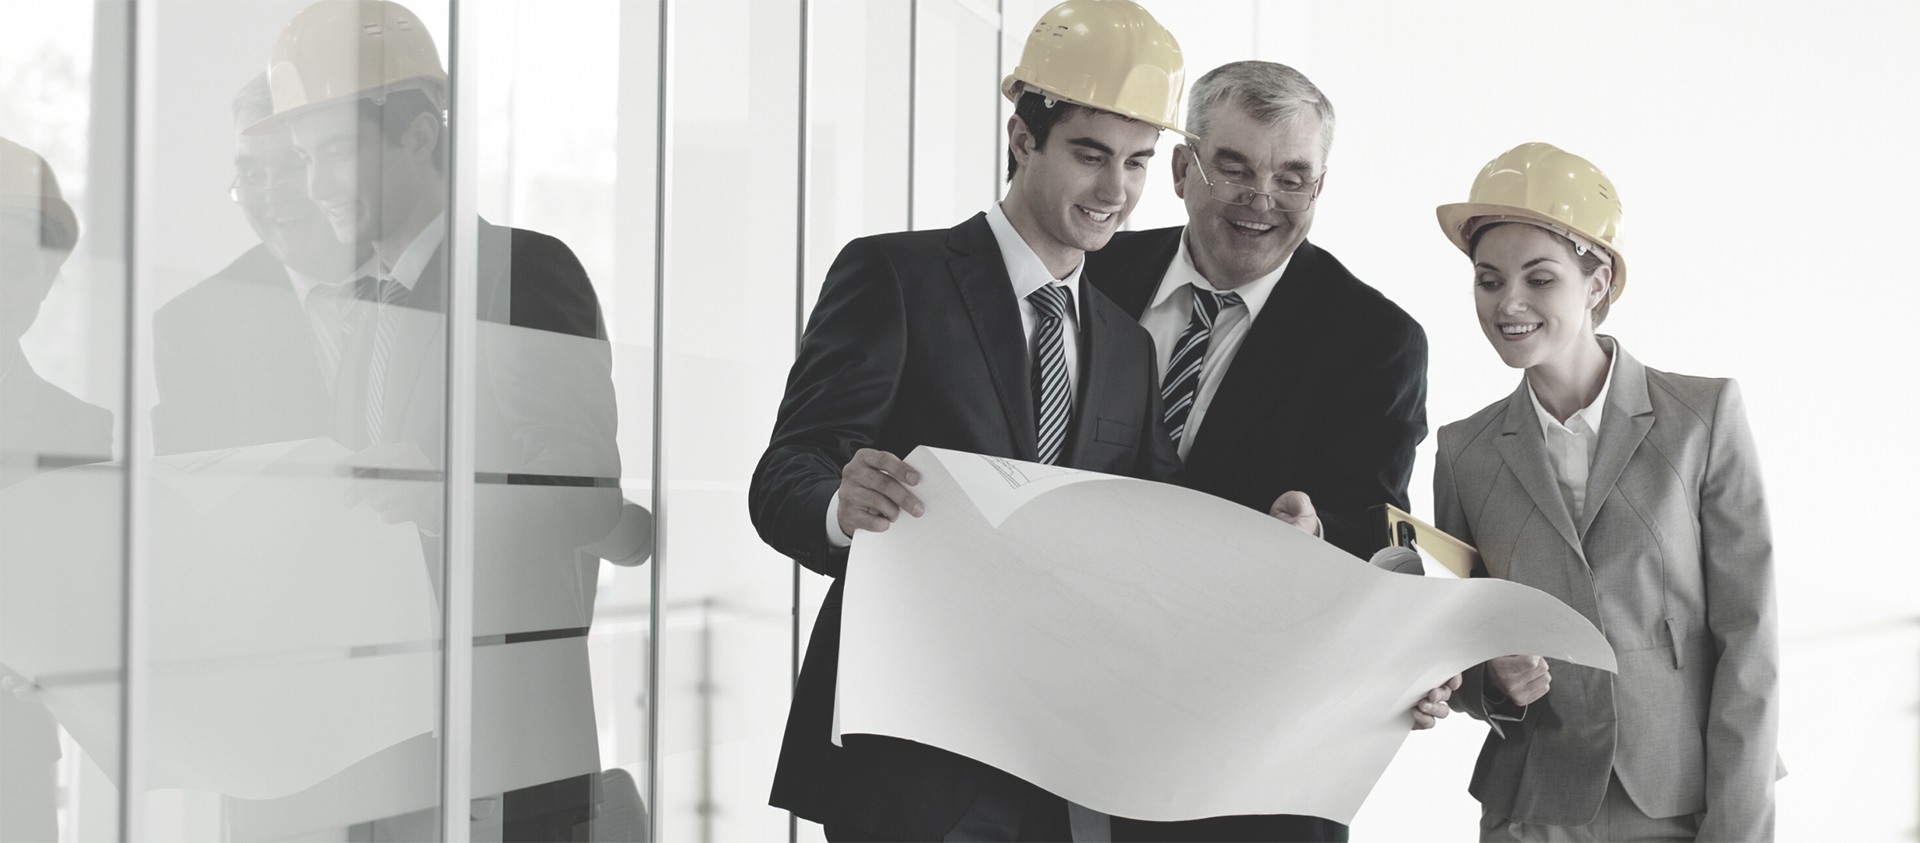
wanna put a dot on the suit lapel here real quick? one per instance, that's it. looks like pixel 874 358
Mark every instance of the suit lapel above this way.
pixel 1254 386
pixel 987 290
pixel 422 321
pixel 1096 338
pixel 1523 448
pixel 1628 417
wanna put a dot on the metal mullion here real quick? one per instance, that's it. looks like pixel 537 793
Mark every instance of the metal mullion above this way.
pixel 799 317
pixel 663 172
pixel 142 213
pixel 913 99
pixel 463 229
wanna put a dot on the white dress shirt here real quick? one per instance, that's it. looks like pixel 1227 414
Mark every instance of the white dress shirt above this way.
pixel 1028 273
pixel 1166 319
pixel 1571 446
pixel 326 307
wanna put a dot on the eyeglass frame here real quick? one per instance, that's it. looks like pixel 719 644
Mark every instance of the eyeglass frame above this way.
pixel 1272 201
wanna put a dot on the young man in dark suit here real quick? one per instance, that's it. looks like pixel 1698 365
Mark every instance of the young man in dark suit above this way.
pixel 984 338
pixel 1290 386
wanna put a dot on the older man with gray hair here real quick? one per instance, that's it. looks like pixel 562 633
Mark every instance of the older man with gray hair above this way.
pixel 1289 386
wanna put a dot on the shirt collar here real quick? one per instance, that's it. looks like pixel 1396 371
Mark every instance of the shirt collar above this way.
pixel 1024 266
pixel 1182 272
pixel 413 261
pixel 1591 414
pixel 303 285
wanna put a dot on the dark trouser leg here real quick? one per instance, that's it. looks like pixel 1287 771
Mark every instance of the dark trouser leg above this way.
pixel 1259 828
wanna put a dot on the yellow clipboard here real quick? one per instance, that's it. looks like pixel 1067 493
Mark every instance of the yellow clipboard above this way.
pixel 1404 530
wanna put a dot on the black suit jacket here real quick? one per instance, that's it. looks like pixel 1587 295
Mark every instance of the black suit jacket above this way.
pixel 1327 394
pixel 917 340
pixel 235 363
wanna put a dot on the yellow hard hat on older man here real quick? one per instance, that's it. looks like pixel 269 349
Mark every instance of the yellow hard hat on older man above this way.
pixel 1541 184
pixel 341 50
pixel 1105 54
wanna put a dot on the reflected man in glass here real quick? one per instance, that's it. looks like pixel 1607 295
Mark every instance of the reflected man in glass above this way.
pixel 251 355
pixel 373 136
pixel 42 428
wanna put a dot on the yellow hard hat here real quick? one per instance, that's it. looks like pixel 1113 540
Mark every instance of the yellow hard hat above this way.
pixel 339 50
pixel 1542 184
pixel 1105 54
pixel 27 184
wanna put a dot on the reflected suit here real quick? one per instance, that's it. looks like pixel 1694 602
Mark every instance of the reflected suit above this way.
pixel 234 362
pixel 917 340
pixel 546 485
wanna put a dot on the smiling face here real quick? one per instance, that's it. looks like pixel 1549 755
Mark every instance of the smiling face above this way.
pixel 368 188
pixel 1235 244
pixel 1070 196
pixel 272 182
pixel 1533 300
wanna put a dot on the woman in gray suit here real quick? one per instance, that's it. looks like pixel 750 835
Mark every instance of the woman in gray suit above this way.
pixel 1634 496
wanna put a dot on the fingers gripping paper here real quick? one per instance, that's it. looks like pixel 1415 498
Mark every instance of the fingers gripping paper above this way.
pixel 1153 652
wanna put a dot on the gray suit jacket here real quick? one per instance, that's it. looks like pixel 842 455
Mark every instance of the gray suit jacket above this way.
pixel 1673 561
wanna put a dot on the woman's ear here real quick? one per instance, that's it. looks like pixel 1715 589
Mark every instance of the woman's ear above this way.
pixel 1599 286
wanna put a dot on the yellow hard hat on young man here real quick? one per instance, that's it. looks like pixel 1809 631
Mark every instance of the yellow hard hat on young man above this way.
pixel 1105 54
pixel 1544 185
pixel 341 50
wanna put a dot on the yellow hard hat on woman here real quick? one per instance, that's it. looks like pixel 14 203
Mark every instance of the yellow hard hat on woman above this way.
pixel 1544 185
pixel 1105 54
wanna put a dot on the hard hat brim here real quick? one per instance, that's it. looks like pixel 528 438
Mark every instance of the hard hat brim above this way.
pixel 278 121
pixel 1454 218
pixel 1013 86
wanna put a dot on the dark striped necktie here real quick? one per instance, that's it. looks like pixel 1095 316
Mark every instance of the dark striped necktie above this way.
pixel 1182 383
pixel 1052 392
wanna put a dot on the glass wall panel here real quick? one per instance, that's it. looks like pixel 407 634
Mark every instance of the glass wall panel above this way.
pixel 297 269
pixel 564 426
pixel 857 180
pixel 730 281
pixel 64 108
pixel 957 130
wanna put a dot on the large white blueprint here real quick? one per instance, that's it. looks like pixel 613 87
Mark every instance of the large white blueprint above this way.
pixel 1153 652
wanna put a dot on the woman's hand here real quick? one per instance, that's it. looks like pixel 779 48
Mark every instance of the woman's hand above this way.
pixel 1524 679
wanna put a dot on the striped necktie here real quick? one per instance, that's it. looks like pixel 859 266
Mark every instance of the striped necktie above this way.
pixel 1182 383
pixel 1052 393
pixel 385 293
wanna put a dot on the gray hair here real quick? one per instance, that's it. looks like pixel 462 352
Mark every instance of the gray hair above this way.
pixel 254 103
pixel 1271 93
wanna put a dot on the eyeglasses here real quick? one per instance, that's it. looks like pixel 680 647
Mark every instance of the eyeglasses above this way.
pixel 244 191
pixel 1290 201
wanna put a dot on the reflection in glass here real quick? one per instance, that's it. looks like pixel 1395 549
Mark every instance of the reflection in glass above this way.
pixel 59 560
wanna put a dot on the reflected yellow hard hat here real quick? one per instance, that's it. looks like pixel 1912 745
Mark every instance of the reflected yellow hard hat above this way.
pixel 1105 54
pixel 27 184
pixel 1544 185
pixel 338 50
